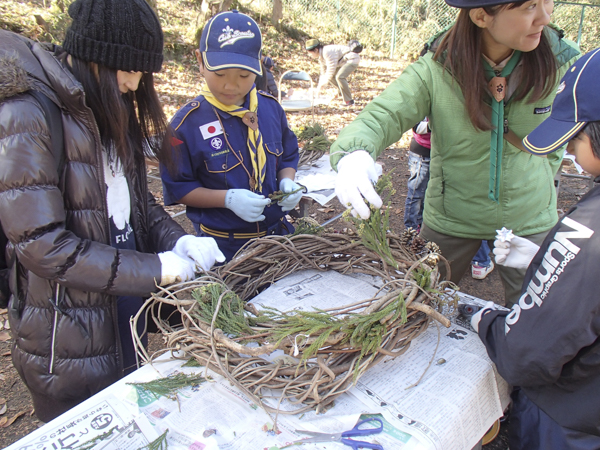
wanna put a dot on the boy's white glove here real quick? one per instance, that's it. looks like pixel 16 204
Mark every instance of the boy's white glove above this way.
pixel 246 204
pixel 516 252
pixel 202 251
pixel 175 269
pixel 354 183
pixel 287 185
pixel 489 306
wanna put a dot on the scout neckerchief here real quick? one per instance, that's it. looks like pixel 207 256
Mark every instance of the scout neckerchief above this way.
pixel 255 142
pixel 497 86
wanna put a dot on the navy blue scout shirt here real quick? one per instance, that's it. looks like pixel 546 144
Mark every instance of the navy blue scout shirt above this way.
pixel 207 161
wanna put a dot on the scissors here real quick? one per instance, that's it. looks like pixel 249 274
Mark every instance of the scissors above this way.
pixel 340 437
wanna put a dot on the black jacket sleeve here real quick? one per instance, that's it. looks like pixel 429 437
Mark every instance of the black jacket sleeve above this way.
pixel 549 336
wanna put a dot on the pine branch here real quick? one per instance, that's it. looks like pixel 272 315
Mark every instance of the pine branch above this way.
pixel 169 386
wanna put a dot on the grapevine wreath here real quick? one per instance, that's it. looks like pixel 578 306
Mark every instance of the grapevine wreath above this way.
pixel 326 350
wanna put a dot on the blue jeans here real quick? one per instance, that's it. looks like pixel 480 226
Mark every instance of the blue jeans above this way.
pixel 482 258
pixel 417 185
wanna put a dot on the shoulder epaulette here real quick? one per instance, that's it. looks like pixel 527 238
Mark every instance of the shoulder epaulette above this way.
pixel 185 111
pixel 266 94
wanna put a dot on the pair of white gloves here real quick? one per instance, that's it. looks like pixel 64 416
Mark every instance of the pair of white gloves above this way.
pixel 249 206
pixel 354 184
pixel 191 254
pixel 196 254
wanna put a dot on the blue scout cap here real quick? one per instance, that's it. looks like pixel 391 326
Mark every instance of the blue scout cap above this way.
pixel 577 102
pixel 231 40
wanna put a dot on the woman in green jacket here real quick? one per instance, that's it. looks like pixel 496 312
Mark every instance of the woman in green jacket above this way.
pixel 484 84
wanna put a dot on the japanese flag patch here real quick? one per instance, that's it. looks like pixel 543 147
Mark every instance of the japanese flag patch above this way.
pixel 211 129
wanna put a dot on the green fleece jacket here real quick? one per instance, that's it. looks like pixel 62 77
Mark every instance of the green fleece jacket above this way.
pixel 456 201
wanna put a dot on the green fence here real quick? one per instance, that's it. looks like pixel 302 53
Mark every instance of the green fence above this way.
pixel 399 28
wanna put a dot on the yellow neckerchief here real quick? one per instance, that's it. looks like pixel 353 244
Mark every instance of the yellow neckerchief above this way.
pixel 255 142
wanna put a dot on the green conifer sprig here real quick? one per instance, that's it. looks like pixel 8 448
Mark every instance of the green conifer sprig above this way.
pixel 313 137
pixel 422 277
pixel 231 318
pixel 361 331
pixel 160 443
pixel 169 386
pixel 90 444
pixel 307 225
pixel 373 231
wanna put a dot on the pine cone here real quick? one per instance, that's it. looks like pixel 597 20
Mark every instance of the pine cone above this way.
pixel 433 247
pixel 407 236
pixel 435 253
pixel 418 245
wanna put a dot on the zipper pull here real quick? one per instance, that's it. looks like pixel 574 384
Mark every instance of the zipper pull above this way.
pixel 505 126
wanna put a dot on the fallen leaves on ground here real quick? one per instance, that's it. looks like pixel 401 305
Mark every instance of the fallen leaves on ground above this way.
pixel 6 422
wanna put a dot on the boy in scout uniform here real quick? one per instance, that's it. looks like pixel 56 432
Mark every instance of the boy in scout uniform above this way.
pixel 234 142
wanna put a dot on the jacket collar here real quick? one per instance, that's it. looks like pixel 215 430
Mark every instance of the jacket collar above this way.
pixel 25 65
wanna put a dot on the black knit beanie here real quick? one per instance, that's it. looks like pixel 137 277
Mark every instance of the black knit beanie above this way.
pixel 119 34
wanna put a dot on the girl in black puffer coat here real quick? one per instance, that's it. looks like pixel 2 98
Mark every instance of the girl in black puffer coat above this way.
pixel 89 243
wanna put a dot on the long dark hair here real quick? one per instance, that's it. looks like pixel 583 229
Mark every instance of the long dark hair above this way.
pixel 462 49
pixel 133 125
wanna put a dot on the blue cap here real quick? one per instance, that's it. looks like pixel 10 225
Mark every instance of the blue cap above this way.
pixel 577 102
pixel 231 40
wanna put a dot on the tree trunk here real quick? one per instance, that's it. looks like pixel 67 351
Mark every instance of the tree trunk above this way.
pixel 225 5
pixel 277 14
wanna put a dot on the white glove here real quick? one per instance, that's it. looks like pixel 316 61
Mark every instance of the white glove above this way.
pixel 354 183
pixel 175 269
pixel 246 204
pixel 517 253
pixel 489 306
pixel 202 251
pixel 287 185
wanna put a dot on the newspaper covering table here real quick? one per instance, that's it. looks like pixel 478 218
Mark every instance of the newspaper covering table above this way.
pixel 457 399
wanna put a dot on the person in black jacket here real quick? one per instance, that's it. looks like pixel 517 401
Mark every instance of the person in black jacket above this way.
pixel 548 344
pixel 88 242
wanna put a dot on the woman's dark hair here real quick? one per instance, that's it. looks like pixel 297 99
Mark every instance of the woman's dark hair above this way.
pixel 592 130
pixel 133 133
pixel 462 50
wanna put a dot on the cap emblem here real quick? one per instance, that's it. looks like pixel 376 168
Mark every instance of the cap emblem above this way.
pixel 561 87
pixel 230 36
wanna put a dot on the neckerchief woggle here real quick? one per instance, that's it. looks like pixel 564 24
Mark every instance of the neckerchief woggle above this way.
pixel 497 85
pixel 258 156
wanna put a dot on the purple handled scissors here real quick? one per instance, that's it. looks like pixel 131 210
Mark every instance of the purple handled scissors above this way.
pixel 340 437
